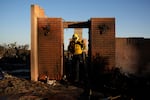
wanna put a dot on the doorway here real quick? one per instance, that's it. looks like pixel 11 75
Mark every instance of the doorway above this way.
pixel 68 57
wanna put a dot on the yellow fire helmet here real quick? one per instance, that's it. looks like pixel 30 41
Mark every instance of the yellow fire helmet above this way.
pixel 75 37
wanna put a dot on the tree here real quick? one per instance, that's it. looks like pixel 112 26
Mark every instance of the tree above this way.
pixel 2 51
pixel 15 53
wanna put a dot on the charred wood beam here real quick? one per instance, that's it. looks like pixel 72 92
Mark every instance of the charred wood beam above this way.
pixel 76 24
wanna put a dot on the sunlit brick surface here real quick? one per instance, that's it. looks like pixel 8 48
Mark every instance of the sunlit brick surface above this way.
pixel 50 47
pixel 103 43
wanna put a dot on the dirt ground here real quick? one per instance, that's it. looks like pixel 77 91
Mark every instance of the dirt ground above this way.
pixel 13 88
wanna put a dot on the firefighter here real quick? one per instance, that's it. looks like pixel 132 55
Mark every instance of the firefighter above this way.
pixel 76 47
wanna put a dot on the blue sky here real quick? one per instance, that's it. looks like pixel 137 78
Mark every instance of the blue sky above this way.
pixel 132 16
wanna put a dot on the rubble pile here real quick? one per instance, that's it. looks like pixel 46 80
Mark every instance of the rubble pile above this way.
pixel 108 86
pixel 13 88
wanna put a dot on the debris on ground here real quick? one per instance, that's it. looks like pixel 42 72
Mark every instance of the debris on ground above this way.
pixel 13 88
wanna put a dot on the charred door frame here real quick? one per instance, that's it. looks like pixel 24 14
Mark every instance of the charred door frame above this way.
pixel 80 24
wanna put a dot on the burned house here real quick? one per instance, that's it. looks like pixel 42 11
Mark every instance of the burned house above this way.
pixel 47 45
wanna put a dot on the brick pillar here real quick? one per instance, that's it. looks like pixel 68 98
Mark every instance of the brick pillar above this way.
pixel 78 31
pixel 50 47
pixel 36 12
pixel 102 41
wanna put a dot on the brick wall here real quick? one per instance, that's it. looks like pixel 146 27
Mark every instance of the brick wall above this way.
pixel 102 41
pixel 50 47
pixel 132 55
